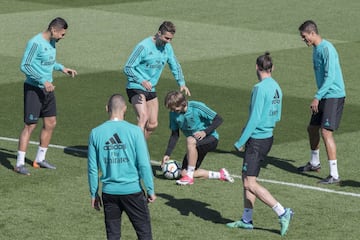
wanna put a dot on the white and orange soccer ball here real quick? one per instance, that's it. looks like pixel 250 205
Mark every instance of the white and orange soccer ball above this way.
pixel 171 169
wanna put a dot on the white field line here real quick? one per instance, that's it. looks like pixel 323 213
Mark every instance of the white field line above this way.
pixel 302 186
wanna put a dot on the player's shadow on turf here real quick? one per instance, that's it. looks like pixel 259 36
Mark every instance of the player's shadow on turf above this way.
pixel 284 164
pixel 5 158
pixel 157 172
pixel 77 151
pixel 200 209
pixel 349 183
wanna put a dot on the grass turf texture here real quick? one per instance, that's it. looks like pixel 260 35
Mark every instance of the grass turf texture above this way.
pixel 217 43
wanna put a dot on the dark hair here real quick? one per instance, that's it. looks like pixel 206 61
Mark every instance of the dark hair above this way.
pixel 167 26
pixel 308 27
pixel 264 62
pixel 58 23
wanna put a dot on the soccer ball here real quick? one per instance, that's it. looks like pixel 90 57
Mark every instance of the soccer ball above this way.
pixel 171 169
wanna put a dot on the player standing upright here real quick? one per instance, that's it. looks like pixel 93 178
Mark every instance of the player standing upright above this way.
pixel 118 152
pixel 257 138
pixel 328 103
pixel 38 64
pixel 143 69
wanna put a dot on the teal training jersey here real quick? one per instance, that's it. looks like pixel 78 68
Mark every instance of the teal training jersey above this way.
pixel 264 111
pixel 118 152
pixel 147 62
pixel 329 78
pixel 39 61
pixel 197 117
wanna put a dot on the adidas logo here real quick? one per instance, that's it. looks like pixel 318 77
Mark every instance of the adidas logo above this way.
pixel 276 99
pixel 327 123
pixel 244 168
pixel 114 143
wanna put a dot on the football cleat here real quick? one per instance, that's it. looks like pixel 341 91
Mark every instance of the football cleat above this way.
pixel 22 170
pixel 186 180
pixel 309 167
pixel 240 224
pixel 330 180
pixel 43 164
pixel 284 221
pixel 225 175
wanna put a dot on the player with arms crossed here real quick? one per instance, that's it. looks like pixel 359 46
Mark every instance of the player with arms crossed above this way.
pixel 118 150
pixel 257 139
pixel 143 70
pixel 328 103
pixel 38 64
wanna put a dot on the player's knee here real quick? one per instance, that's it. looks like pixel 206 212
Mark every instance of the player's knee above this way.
pixel 143 119
pixel 30 127
pixel 50 124
pixel 249 187
pixel 249 184
pixel 191 141
pixel 151 126
pixel 326 133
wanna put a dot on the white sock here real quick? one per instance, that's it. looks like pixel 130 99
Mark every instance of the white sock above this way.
pixel 315 157
pixel 40 156
pixel 278 209
pixel 190 171
pixel 214 175
pixel 20 160
pixel 247 215
pixel 334 169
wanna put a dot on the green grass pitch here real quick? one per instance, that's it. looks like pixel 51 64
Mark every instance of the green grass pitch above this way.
pixel 217 43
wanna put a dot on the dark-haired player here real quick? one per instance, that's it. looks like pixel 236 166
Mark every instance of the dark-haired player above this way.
pixel 38 64
pixel 257 139
pixel 328 102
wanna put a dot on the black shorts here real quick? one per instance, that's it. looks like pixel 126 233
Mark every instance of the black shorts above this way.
pixel 38 104
pixel 208 144
pixel 329 115
pixel 135 92
pixel 136 208
pixel 255 152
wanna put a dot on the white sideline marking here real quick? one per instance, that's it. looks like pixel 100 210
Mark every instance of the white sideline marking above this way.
pixel 302 186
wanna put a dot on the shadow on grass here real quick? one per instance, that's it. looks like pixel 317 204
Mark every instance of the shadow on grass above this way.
pixel 81 151
pixel 284 164
pixel 77 151
pixel 200 209
pixel 349 183
pixel 157 172
pixel 7 155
